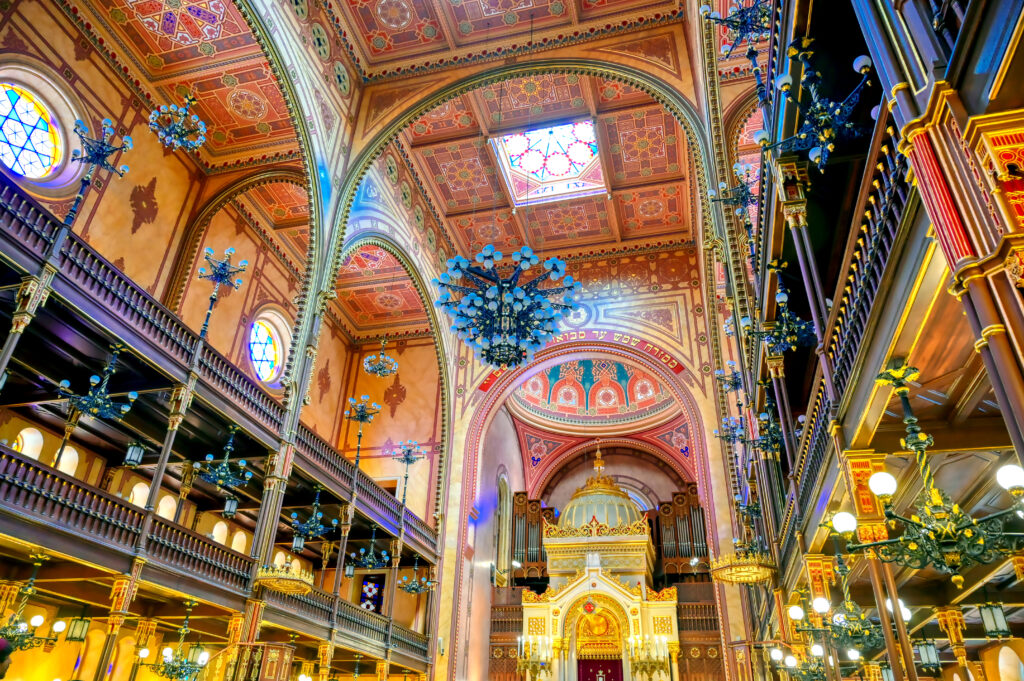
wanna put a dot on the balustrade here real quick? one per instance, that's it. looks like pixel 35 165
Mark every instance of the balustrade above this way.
pixel 195 554
pixel 409 641
pixel 362 622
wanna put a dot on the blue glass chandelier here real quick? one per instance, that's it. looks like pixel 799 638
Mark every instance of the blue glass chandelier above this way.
pixel 370 560
pixel 176 127
pixel 226 474
pixel 381 364
pixel 416 584
pixel 503 320
pixel 312 527
pixel 748 24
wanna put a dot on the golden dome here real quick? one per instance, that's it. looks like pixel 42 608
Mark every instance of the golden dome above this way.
pixel 599 498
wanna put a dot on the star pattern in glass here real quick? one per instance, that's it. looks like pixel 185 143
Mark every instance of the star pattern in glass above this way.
pixel 264 350
pixel 29 144
pixel 551 163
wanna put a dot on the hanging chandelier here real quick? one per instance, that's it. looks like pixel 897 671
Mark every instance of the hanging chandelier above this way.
pixel 370 560
pixel 503 320
pixel 312 527
pixel 788 332
pixel 176 664
pixel 745 24
pixel 177 127
pixel 382 364
pixel 19 633
pixel 939 533
pixel 416 584
pixel 749 562
pixel 226 474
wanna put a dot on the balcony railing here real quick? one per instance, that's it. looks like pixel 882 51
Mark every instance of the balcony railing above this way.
pixel 361 621
pixel 316 607
pixel 409 641
pixel 32 491
pixel 117 303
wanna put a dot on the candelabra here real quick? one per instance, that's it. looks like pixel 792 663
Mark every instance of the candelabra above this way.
pixel 381 364
pixel 939 533
pixel 769 432
pixel 369 559
pixel 176 664
pixel 741 197
pixel 362 412
pixel 312 527
pixel 803 668
pixel 849 629
pixel 94 153
pixel 221 273
pixel 21 634
pixel 535 654
pixel 96 403
pixel 733 429
pixel 825 121
pixel 226 474
pixel 416 584
pixel 502 321
pixel 730 381
pixel 409 452
pixel 176 127
pixel 649 657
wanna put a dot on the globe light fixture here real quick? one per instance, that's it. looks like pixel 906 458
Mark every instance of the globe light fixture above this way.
pixel 369 559
pixel 821 605
pixel 939 534
pixel 381 364
pixel 222 273
pixel 95 153
pixel 1011 478
pixel 312 527
pixel 502 319
pixel 177 665
pixel 775 654
pixel 844 523
pixel 796 613
pixel 226 474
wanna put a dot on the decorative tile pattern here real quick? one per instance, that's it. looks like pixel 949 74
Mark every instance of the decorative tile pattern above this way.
pixel 481 20
pixel 644 145
pixel 655 210
pixel 579 221
pixel 452 117
pixel 281 203
pixel 462 175
pixel 496 227
pixel 613 94
pixel 533 99
pixel 395 28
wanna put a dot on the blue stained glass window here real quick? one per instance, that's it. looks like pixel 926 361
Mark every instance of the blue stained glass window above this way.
pixel 264 350
pixel 29 144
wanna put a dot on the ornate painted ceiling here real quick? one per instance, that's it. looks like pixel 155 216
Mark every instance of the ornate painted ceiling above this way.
pixel 647 197
pixel 206 49
pixel 387 38
pixel 377 297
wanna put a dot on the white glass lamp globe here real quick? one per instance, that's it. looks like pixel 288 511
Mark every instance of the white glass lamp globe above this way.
pixel 775 654
pixel 821 605
pixel 36 621
pixel 204 657
pixel 167 653
pixel 882 484
pixel 796 612
pixel 844 522
pixel 1011 477
pixel 144 653
pixel 853 654
pixel 790 661
pixel 59 626
pixel 862 64
pixel 817 650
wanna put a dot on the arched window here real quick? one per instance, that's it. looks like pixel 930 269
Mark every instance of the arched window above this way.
pixel 1010 666
pixel 167 506
pixel 29 442
pixel 268 345
pixel 280 559
pixel 68 461
pixel 29 143
pixel 140 492
pixel 238 540
pixel 220 532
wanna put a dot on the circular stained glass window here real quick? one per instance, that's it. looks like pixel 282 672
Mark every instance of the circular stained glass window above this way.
pixel 29 144
pixel 265 350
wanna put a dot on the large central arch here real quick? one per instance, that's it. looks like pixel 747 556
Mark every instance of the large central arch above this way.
pixel 454 529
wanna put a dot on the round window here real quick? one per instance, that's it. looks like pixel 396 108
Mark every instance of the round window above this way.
pixel 29 143
pixel 265 351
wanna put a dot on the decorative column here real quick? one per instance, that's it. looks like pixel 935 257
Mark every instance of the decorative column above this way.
pixel 122 594
pixel 897 616
pixel 382 670
pixel 820 574
pixel 252 620
pixel 324 656
pixel 951 621
pixel 777 372
pixel 345 516
pixel 279 465
pixel 181 398
pixel 31 295
pixel 858 466
pixel 188 478
pixel 673 651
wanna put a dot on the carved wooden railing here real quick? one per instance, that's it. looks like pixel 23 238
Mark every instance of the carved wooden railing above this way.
pixel 193 553
pixel 316 607
pixel 131 313
pixel 409 641
pixel 362 622
pixel 31 490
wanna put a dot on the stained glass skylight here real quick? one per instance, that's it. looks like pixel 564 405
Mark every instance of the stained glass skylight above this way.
pixel 551 163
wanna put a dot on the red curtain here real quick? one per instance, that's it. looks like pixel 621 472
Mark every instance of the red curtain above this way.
pixel 599 670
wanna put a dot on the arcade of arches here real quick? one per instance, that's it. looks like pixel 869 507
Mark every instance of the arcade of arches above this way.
pixel 524 340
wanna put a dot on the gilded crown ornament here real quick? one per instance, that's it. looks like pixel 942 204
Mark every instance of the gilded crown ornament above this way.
pixel 502 319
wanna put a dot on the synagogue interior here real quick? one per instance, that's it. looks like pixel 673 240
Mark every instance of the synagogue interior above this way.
pixel 511 340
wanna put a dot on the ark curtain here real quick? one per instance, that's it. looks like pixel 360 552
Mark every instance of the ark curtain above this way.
pixel 599 670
